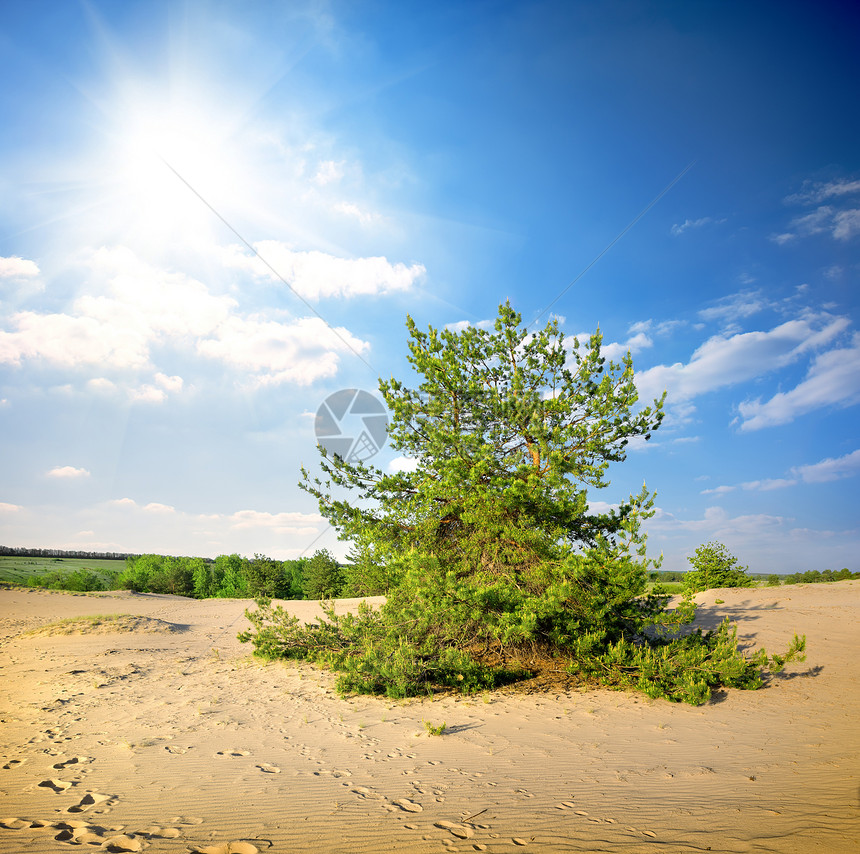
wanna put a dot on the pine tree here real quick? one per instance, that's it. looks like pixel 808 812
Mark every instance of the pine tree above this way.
pixel 508 437
pixel 497 568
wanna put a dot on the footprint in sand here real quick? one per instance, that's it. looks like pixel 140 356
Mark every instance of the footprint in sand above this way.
pixel 170 748
pixel 122 842
pixel 13 823
pixel 333 772
pixel 458 830
pixel 90 800
pixel 228 848
pixel 517 841
pixel 76 760
pixel 367 794
pixel 57 785
pixel 233 753
pixel 80 833
pixel 269 769
pixel 156 832
pixel 14 763
pixel 408 806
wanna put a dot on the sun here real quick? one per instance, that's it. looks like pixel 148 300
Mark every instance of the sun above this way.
pixel 170 165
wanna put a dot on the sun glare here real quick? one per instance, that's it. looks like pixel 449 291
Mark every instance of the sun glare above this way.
pixel 165 161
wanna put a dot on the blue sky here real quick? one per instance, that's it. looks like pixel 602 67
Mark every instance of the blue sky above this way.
pixel 158 383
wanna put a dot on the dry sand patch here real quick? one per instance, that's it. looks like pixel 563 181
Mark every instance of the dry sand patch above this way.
pixel 180 741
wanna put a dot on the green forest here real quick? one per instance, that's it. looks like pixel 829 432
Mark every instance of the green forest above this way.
pixel 319 576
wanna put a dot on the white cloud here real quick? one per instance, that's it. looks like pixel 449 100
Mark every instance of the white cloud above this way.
pixel 636 343
pixel 753 486
pixel 665 327
pixel 363 216
pixel 277 521
pixel 846 224
pixel 132 312
pixel 718 490
pixel 15 267
pixel 736 306
pixel 815 192
pixel 687 224
pixel 173 383
pixel 399 464
pixel 833 379
pixel 274 353
pixel 124 525
pixel 462 325
pixel 830 469
pixel 821 472
pixel 154 302
pixel 768 485
pixel 317 275
pixel 597 507
pixel 70 341
pixel 122 502
pixel 9 508
pixel 155 507
pixel 67 472
pixel 329 172
pixel 129 307
pixel 766 542
pixel 717 524
pixel 101 385
pixel 726 360
pixel 147 394
pixel 841 225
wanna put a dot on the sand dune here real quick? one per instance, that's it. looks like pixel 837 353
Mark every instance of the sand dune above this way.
pixel 162 734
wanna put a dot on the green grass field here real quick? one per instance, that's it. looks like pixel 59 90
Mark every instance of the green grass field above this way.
pixel 18 570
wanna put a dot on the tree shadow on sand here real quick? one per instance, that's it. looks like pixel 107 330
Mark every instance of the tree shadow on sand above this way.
pixel 709 618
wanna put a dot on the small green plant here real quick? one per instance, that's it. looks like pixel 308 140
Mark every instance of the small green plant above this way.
pixel 435 730
pixel 773 580
pixel 719 601
pixel 714 566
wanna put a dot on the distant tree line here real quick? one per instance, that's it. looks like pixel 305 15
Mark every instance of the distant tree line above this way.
pixel 815 577
pixel 229 577
pixel 234 577
pixel 317 577
pixel 20 551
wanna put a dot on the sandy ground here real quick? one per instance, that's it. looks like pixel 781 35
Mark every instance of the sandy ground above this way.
pixel 178 741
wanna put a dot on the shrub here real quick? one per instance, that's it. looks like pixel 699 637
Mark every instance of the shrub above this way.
pixel 773 580
pixel 79 580
pixel 714 566
pixel 438 631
